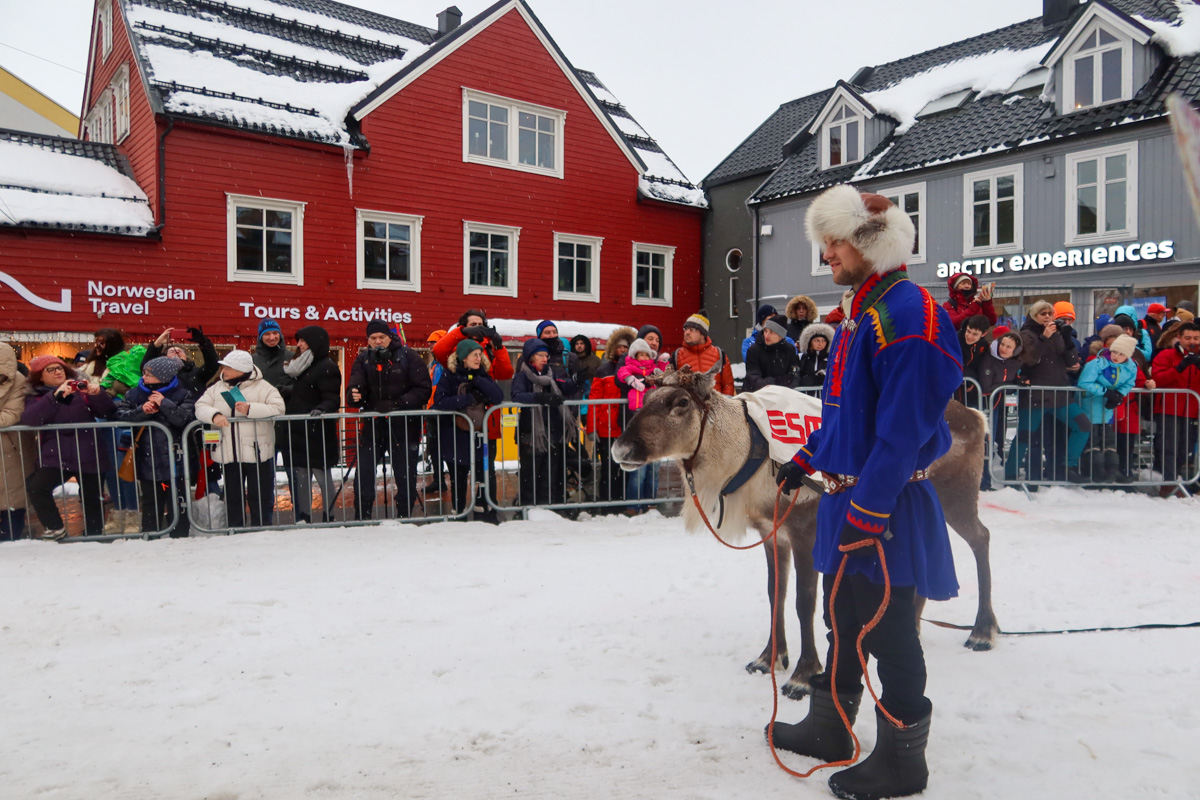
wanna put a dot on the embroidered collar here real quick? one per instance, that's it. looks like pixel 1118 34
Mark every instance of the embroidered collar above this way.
pixel 870 292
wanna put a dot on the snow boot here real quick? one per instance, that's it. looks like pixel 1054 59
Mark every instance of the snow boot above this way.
pixel 821 734
pixel 895 768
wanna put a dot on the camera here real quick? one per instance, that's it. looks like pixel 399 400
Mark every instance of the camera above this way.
pixel 1061 323
pixel 79 386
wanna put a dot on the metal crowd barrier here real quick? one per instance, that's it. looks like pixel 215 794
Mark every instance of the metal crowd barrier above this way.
pixel 72 500
pixel 970 394
pixel 258 474
pixel 571 472
pixel 1043 436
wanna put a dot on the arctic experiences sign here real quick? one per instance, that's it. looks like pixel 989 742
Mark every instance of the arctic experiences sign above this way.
pixel 1100 255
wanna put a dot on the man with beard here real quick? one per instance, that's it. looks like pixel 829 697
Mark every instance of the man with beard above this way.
pixel 895 366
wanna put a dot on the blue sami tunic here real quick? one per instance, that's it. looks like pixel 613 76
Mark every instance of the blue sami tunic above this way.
pixel 895 365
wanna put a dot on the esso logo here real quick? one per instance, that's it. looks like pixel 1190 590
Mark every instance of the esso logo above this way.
pixel 792 428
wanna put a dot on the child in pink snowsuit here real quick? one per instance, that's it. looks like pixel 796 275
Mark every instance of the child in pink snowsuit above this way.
pixel 639 363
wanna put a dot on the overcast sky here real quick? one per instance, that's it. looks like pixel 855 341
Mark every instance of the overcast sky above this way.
pixel 699 75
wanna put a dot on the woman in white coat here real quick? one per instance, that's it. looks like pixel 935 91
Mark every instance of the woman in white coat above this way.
pixel 238 405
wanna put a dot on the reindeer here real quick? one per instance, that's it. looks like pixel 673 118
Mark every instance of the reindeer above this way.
pixel 670 425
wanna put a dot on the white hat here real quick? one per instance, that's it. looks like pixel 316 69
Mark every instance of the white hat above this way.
pixel 239 360
pixel 641 346
pixel 879 230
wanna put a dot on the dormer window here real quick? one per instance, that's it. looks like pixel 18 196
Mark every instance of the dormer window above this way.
pixel 843 137
pixel 1098 69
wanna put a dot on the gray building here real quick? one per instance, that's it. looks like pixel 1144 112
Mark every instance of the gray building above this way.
pixel 1038 157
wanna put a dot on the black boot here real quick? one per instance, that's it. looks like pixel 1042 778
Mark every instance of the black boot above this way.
pixel 895 768
pixel 821 734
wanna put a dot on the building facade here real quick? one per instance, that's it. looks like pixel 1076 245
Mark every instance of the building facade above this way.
pixel 325 165
pixel 1039 158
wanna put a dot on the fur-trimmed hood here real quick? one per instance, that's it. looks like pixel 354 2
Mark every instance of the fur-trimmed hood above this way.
pixel 486 366
pixel 623 333
pixel 815 329
pixel 871 223
pixel 807 302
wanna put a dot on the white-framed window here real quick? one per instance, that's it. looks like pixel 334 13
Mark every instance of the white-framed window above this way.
pixel 577 267
pixel 1098 69
pixel 389 251
pixel 652 274
pixel 100 119
pixel 120 93
pixel 1102 194
pixel 993 204
pixel 733 259
pixel 819 265
pixel 265 239
pixel 500 131
pixel 733 297
pixel 911 200
pixel 104 21
pixel 842 137
pixel 490 259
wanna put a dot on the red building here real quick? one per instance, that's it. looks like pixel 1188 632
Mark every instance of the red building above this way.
pixel 321 164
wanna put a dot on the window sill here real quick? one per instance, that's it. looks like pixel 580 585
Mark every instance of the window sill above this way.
pixel 1111 237
pixel 575 297
pixel 650 301
pixel 389 286
pixel 516 167
pixel 1000 250
pixel 494 291
pixel 241 276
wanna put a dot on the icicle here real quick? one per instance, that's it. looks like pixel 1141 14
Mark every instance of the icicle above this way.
pixel 348 149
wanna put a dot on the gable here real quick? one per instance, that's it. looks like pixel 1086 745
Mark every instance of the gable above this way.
pixel 1096 12
pixel 843 96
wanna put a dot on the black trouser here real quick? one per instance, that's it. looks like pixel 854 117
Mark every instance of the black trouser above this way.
pixel 12 524
pixel 157 499
pixel 39 489
pixel 894 643
pixel 1174 443
pixel 610 482
pixel 252 482
pixel 543 476
pixel 1127 448
pixel 373 441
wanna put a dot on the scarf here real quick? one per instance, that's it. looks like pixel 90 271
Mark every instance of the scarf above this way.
pixel 298 364
pixel 545 383
pixel 161 388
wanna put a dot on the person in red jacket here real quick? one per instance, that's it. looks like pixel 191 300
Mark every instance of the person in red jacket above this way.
pixel 701 354
pixel 605 420
pixel 967 299
pixel 473 324
pixel 1176 413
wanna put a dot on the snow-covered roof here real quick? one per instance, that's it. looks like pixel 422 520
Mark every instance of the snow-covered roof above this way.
pixel 527 328
pixel 53 182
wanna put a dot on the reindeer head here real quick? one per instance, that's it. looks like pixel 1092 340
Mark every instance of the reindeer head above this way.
pixel 668 424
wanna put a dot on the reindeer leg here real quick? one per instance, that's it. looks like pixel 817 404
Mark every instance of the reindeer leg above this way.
pixel 806 605
pixel 966 522
pixel 763 662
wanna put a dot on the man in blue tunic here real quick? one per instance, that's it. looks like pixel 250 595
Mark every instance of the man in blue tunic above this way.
pixel 895 365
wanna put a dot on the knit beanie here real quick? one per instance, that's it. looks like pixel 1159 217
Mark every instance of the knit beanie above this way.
pixel 697 321
pixel 1064 309
pixel 378 326
pixel 162 368
pixel 777 324
pixel 1184 315
pixel 532 346
pixel 39 363
pixel 541 326
pixel 646 329
pixel 268 325
pixel 465 348
pixel 1110 331
pixel 999 331
pixel 1125 321
pixel 640 346
pixel 1123 344
pixel 764 313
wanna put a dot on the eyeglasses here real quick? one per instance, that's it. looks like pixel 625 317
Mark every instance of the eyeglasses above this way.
pixel 54 368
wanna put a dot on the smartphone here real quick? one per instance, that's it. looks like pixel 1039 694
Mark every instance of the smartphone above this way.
pixel 180 334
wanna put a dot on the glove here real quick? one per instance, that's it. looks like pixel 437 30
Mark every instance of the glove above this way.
pixel 791 476
pixel 1190 360
pixel 476 332
pixel 638 383
pixel 1112 398
pixel 850 536
pixel 316 412
pixel 197 334
pixel 664 358
pixel 493 336
pixel 554 400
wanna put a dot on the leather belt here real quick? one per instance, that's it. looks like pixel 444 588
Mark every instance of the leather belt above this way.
pixel 836 482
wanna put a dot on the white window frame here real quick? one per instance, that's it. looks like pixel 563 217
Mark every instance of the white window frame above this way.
pixel 295 207
pixel 919 190
pixel 1124 44
pixel 514 108
pixel 514 235
pixel 819 268
pixel 104 20
pixel 120 93
pixel 595 243
pixel 842 123
pixel 1018 172
pixel 1072 235
pixel 668 274
pixel 100 119
pixel 413 284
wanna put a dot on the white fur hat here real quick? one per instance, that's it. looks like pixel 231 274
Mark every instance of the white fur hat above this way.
pixel 871 223
pixel 641 346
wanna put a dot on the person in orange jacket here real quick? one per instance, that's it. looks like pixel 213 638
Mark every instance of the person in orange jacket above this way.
pixel 701 354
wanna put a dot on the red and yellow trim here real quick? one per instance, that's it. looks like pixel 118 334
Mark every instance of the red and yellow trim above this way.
pixel 870 522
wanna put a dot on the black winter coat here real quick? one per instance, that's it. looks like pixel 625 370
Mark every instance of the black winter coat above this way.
pixel 813 365
pixel 192 375
pixel 270 361
pixel 526 391
pixel 392 379
pixel 313 443
pixel 455 443
pixel 771 365
pixel 1044 362
pixel 152 456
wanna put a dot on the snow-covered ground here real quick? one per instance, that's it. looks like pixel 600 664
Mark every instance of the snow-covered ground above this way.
pixel 552 659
